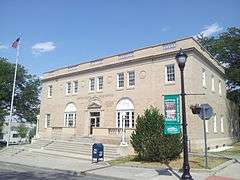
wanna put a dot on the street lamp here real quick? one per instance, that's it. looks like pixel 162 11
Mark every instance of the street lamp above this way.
pixel 181 59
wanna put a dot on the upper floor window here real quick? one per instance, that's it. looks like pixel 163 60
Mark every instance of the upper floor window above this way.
pixel 120 80
pixel 48 120
pixel 215 123
pixel 92 84
pixel 75 88
pixel 50 89
pixel 213 84
pixel 220 87
pixel 204 77
pixel 68 88
pixel 100 83
pixel 222 124
pixel 131 78
pixel 169 73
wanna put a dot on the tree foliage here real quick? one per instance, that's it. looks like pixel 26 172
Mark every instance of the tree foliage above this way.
pixel 22 130
pixel 226 49
pixel 26 101
pixel 149 141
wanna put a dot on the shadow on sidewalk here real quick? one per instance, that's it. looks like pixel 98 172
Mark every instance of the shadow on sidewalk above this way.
pixel 168 172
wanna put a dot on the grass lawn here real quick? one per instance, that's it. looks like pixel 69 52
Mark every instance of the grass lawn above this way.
pixel 196 162
pixel 235 151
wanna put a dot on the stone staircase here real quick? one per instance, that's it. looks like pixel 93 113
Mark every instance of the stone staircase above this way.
pixel 79 148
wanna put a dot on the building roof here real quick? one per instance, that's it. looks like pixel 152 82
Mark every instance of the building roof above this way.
pixel 187 43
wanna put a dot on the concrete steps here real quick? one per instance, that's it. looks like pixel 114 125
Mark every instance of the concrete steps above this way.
pixel 72 148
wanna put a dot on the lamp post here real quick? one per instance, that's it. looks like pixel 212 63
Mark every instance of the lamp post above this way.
pixel 181 59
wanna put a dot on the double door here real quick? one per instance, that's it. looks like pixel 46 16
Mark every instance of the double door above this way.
pixel 94 120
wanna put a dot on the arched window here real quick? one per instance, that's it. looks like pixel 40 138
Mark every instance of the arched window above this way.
pixel 125 111
pixel 70 115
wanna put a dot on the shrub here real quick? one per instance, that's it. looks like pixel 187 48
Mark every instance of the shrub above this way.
pixel 149 141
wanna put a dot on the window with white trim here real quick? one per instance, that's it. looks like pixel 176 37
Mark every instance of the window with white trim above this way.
pixel 70 115
pixel 169 73
pixel 68 87
pixel 120 80
pixel 75 87
pixel 131 78
pixel 215 124
pixel 222 124
pixel 213 84
pixel 47 120
pixel 204 77
pixel 100 83
pixel 91 84
pixel 50 90
pixel 220 87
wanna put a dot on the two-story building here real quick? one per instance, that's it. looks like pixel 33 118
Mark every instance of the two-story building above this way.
pixel 90 99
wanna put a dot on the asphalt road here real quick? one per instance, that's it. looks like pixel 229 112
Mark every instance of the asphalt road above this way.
pixel 10 171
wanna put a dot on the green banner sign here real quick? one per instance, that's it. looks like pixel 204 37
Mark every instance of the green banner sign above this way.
pixel 172 114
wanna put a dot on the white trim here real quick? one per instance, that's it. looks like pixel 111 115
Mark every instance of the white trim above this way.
pixel 166 74
pixel 118 80
pixel 128 73
pixel 222 124
pixel 66 90
pixel 204 78
pixel 212 83
pixel 74 86
pixel 94 86
pixel 215 123
pixel 98 77
pixel 49 91
pixel 220 88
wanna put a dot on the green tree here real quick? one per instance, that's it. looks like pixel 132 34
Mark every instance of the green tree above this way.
pixel 226 49
pixel 22 131
pixel 26 101
pixel 149 141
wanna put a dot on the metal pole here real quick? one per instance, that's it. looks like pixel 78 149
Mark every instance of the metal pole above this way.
pixel 186 168
pixel 13 94
pixel 205 139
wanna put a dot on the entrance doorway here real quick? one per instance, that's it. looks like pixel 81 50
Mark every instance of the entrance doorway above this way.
pixel 94 120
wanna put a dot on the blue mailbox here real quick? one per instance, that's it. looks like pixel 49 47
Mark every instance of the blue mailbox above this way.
pixel 97 152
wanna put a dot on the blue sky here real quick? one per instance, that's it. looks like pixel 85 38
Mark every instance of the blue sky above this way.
pixel 59 33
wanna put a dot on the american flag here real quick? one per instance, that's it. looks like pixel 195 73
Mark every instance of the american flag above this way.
pixel 15 43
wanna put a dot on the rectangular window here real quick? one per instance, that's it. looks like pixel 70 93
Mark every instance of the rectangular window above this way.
pixel 68 88
pixel 92 84
pixel 75 88
pixel 131 78
pixel 204 77
pixel 100 83
pixel 120 80
pixel 215 124
pixel 50 91
pixel 213 84
pixel 127 120
pixel 220 88
pixel 169 73
pixel 48 121
pixel 70 119
pixel 222 124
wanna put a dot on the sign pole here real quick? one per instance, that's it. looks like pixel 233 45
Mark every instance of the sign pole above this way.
pixel 205 139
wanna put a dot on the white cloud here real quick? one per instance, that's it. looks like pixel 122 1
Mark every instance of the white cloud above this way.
pixel 2 46
pixel 166 28
pixel 210 30
pixel 43 47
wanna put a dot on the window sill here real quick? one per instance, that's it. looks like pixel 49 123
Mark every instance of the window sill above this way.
pixel 169 83
pixel 130 87
pixel 49 97
pixel 120 89
pixel 100 91
pixel 91 92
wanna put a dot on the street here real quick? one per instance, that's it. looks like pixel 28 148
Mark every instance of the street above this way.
pixel 9 171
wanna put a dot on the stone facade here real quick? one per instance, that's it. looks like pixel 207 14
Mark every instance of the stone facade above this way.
pixel 95 113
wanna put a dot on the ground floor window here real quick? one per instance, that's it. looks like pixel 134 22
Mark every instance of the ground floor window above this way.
pixel 70 119
pixel 125 118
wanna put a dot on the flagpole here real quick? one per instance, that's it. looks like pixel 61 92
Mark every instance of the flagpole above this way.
pixel 13 93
